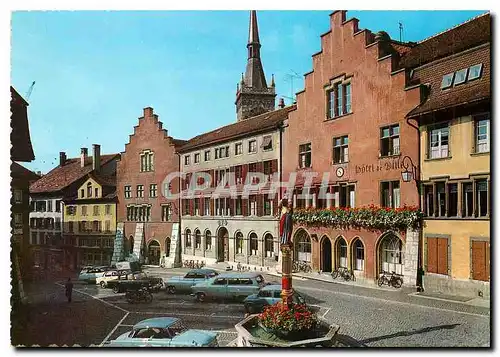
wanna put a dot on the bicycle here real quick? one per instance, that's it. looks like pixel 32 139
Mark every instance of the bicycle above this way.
pixel 393 280
pixel 344 273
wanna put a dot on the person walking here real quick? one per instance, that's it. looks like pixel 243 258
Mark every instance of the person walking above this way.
pixel 69 289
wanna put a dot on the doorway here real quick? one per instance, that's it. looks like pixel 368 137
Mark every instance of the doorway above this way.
pixel 223 245
pixel 326 254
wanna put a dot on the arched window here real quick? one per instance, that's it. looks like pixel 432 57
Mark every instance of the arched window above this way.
pixel 167 247
pixel 341 251
pixel 147 161
pixel 208 240
pixel 269 245
pixel 358 252
pixel 254 244
pixel 187 238
pixel 391 249
pixel 89 189
pixel 303 246
pixel 197 239
pixel 239 243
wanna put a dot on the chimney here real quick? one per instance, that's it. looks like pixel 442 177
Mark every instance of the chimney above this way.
pixel 83 155
pixel 96 160
pixel 148 112
pixel 62 158
pixel 281 103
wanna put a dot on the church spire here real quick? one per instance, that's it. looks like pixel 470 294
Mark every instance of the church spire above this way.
pixel 253 34
pixel 254 75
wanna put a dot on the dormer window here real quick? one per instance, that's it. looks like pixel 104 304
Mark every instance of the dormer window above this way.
pixel 147 161
pixel 89 190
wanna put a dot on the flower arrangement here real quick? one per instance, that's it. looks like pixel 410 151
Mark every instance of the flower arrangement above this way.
pixel 368 217
pixel 281 317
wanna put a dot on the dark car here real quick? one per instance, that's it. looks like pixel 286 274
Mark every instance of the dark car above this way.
pixel 268 295
pixel 135 281
pixel 184 283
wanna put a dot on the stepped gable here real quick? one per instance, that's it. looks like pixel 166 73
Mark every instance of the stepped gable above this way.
pixel 250 126
pixel 62 176
pixel 467 35
pixel 148 114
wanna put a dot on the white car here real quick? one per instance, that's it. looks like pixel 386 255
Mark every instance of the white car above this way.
pixel 103 279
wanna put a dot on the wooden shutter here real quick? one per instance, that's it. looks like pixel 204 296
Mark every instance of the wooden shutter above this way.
pixel 480 260
pixel 442 256
pixel 432 261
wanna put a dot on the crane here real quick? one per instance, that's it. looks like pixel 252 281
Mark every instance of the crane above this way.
pixel 28 94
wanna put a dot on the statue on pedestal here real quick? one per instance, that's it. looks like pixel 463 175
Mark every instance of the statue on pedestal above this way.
pixel 285 232
pixel 286 222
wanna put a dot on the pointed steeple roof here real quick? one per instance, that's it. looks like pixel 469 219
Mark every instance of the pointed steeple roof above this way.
pixel 254 74
pixel 253 34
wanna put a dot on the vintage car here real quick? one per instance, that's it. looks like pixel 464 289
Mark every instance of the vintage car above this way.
pixel 135 281
pixel 106 277
pixel 164 332
pixel 89 274
pixel 184 283
pixel 268 295
pixel 228 286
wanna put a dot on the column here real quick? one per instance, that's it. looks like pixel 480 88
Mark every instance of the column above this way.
pixel 294 200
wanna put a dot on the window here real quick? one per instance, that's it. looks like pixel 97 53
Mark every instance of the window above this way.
pixel 482 198
pixel 166 213
pixel 480 260
pixel 267 143
pixel 197 206
pixel 96 192
pixel 447 80
pixel 187 237
pixel 206 206
pixel 197 158
pixel 207 155
pixel 461 76
pixel 18 196
pixel 82 193
pixel 108 209
pixel 252 201
pixel 269 245
pixel 441 200
pixel 147 161
pixel 84 210
pixel 222 152
pixel 339 100
pixel 187 160
pixel 96 226
pixel 58 205
pixel 437 255
pixel 268 207
pixel 305 155
pixel 40 206
pixel 390 194
pixel 439 137
pixel 359 254
pixel 389 140
pixel 254 244
pixel 89 190
pixel 341 150
pixel 49 206
pixel 344 196
pixel 18 219
pixel 482 130
pixel 252 146
pixel 239 243
pixel 238 206
pixel 238 148
pixel 429 200
pixel 70 210
pixel 197 239
pixel 475 72
pixel 467 200
pixel 107 226
pixel 70 227
pixel 452 200
pixel 96 210
pixel 208 240
pixel 153 190
pixel 128 191
pixel 140 191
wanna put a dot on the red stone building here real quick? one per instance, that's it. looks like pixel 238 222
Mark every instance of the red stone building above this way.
pixel 148 220
pixel 350 124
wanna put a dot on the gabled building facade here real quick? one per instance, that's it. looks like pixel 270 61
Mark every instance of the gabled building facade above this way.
pixel 455 139
pixel 148 218
pixel 348 142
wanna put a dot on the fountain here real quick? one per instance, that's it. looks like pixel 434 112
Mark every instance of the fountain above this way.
pixel 286 324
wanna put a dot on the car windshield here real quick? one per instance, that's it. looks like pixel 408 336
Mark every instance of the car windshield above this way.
pixel 177 328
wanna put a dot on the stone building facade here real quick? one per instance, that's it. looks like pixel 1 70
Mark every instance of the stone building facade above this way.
pixel 350 125
pixel 147 219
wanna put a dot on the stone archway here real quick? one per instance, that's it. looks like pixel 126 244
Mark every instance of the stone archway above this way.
pixel 326 254
pixel 390 254
pixel 302 246
pixel 154 253
pixel 222 245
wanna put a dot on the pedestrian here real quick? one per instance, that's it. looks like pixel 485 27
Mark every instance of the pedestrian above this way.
pixel 69 289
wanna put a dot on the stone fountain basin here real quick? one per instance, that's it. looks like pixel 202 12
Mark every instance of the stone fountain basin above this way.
pixel 250 334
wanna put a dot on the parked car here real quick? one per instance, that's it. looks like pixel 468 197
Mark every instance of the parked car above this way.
pixel 228 286
pixel 135 281
pixel 106 277
pixel 268 295
pixel 89 274
pixel 164 332
pixel 184 283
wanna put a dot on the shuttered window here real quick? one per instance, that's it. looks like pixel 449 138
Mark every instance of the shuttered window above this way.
pixel 480 260
pixel 437 255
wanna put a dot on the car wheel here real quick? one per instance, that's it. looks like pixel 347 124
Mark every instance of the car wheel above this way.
pixel 171 289
pixel 103 284
pixel 116 290
pixel 200 297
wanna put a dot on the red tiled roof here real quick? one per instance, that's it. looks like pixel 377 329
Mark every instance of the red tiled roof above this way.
pixel 104 180
pixel 21 149
pixel 19 171
pixel 251 125
pixel 62 176
pixel 178 142
pixel 464 36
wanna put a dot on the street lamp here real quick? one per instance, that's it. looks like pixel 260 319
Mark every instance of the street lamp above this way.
pixel 410 171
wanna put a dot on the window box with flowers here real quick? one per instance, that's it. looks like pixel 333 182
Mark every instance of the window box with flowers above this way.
pixel 288 322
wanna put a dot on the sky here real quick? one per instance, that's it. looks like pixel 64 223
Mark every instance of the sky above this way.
pixel 96 70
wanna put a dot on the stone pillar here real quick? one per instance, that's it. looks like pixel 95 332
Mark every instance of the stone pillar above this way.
pixel 411 257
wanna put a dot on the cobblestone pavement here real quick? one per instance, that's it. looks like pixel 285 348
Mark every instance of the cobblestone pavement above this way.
pixel 367 317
